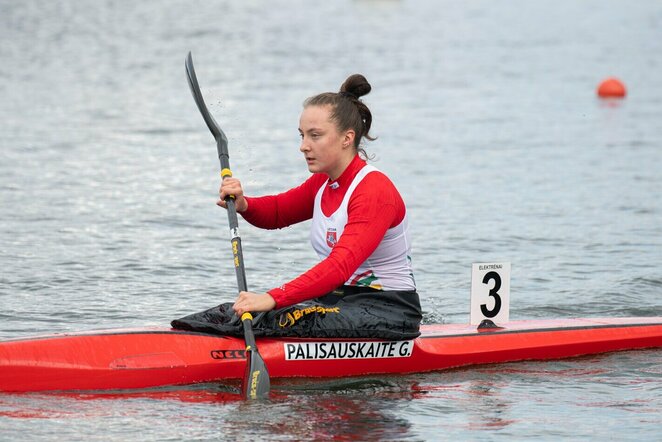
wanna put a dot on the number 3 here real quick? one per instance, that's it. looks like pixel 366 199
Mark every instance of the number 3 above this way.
pixel 493 293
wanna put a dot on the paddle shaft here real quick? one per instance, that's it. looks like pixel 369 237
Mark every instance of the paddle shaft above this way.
pixel 256 382
pixel 235 239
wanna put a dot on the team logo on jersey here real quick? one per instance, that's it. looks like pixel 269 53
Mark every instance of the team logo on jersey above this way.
pixel 366 279
pixel 331 238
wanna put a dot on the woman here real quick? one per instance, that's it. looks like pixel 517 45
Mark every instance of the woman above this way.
pixel 363 285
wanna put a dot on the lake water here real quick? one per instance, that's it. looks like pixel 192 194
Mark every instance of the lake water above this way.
pixel 487 121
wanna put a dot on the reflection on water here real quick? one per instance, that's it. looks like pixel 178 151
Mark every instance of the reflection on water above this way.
pixel 490 400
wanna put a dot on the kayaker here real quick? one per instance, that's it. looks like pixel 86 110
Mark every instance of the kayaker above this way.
pixel 364 285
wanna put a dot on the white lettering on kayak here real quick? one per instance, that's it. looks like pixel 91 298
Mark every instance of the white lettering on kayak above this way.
pixel 306 351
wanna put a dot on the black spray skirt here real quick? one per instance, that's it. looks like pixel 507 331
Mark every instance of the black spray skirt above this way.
pixel 348 312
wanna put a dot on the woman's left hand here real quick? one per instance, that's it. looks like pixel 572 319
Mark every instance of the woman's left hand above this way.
pixel 253 302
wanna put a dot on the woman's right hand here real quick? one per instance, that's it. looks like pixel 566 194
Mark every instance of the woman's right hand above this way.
pixel 232 186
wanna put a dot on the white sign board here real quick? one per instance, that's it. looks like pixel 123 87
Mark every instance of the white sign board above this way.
pixel 490 292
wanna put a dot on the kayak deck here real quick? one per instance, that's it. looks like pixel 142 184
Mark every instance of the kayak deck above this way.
pixel 153 357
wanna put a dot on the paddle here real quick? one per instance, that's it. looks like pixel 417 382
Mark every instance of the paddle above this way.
pixel 255 383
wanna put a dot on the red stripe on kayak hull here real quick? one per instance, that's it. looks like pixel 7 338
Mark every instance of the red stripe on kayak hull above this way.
pixel 144 358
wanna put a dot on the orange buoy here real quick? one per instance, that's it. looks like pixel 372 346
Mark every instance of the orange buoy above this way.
pixel 611 88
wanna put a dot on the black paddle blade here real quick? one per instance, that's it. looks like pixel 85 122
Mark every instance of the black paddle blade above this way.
pixel 213 126
pixel 256 384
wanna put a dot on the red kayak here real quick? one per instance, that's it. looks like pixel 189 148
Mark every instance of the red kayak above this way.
pixel 153 357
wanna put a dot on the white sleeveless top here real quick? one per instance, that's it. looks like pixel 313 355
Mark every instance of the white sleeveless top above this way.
pixel 389 266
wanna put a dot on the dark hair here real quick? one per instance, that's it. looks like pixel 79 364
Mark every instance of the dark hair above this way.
pixel 347 110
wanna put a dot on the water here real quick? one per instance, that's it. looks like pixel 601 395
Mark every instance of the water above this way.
pixel 487 122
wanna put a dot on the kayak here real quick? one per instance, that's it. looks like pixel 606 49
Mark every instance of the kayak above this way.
pixel 155 357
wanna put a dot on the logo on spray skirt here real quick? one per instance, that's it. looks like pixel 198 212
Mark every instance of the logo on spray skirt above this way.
pixel 331 238
pixel 290 318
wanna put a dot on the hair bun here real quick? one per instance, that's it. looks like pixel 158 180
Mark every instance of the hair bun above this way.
pixel 356 85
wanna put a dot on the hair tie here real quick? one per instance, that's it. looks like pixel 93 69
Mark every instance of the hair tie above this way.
pixel 348 95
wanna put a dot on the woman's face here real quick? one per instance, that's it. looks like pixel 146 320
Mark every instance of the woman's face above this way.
pixel 326 149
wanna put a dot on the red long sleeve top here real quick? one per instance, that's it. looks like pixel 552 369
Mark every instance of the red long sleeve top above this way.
pixel 374 207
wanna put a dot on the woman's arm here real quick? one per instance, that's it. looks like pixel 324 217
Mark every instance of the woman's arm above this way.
pixel 284 209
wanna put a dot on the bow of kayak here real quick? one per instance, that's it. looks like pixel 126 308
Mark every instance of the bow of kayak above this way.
pixel 153 357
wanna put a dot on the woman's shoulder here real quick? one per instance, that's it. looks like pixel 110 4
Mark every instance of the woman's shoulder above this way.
pixel 379 187
pixel 376 177
pixel 377 196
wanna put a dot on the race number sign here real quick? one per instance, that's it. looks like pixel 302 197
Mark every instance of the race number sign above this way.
pixel 490 292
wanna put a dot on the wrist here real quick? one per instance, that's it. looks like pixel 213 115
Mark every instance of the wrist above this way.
pixel 241 205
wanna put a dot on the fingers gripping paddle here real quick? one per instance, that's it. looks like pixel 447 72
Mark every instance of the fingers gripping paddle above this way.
pixel 256 383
